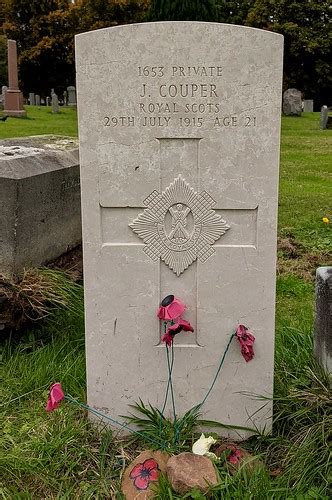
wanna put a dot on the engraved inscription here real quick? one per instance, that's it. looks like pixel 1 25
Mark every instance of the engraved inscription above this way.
pixel 182 96
pixel 179 226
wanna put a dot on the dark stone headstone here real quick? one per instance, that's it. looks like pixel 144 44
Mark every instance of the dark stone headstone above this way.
pixel 292 102
pixel 323 321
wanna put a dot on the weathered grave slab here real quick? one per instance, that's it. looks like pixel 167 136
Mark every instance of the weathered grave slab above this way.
pixel 292 102
pixel 179 153
pixel 40 200
pixel 323 321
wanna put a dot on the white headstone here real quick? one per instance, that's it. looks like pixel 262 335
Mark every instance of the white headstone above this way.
pixel 54 102
pixel 32 99
pixel 308 106
pixel 324 115
pixel 179 152
pixel 71 96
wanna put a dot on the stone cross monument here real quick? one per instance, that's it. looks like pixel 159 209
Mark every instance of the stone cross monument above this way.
pixel 13 97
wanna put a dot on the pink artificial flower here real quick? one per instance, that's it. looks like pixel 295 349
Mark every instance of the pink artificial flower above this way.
pixel 172 330
pixel 56 395
pixel 235 455
pixel 167 338
pixel 142 474
pixel 170 308
pixel 180 325
pixel 246 340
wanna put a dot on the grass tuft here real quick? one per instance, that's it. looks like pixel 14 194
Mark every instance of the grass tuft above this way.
pixel 37 293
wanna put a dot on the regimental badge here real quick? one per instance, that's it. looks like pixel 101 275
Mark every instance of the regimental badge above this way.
pixel 179 226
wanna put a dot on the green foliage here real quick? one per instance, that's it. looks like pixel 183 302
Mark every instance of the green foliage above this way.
pixel 95 14
pixel 233 11
pixel 161 432
pixel 305 26
pixel 182 10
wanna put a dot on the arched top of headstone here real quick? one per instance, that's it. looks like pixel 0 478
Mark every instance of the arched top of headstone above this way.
pixel 194 37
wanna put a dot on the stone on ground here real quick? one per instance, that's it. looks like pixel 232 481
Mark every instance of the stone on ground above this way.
pixel 187 471
pixel 142 474
pixel 237 457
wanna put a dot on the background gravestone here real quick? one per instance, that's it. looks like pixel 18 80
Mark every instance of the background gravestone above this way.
pixel 54 102
pixel 323 322
pixel 32 99
pixel 13 102
pixel 308 106
pixel 2 96
pixel 71 96
pixel 324 114
pixel 179 153
pixel 292 102
pixel 37 100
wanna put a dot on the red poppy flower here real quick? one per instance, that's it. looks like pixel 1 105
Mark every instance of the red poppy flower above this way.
pixel 143 474
pixel 172 330
pixel 56 395
pixel 246 340
pixel 180 325
pixel 167 338
pixel 235 455
pixel 170 308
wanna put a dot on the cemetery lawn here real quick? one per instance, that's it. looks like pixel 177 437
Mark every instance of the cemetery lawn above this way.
pixel 39 121
pixel 60 455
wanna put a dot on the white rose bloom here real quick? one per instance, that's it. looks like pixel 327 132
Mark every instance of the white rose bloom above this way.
pixel 202 446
